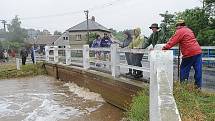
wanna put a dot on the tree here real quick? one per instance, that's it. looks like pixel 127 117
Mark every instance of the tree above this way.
pixel 92 36
pixel 15 32
pixel 119 35
pixel 168 24
pixel 196 19
pixel 57 32
pixel 209 7
pixel 206 37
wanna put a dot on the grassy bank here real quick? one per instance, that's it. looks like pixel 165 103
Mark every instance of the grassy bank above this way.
pixel 10 71
pixel 193 104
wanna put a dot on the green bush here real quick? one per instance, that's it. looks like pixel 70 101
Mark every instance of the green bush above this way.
pixel 193 104
pixel 139 109
pixel 9 71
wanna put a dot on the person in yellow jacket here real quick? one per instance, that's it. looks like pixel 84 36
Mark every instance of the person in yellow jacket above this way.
pixel 137 43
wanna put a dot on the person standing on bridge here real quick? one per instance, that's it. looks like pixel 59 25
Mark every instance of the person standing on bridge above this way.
pixel 137 43
pixel 24 55
pixel 126 42
pixel 96 44
pixel 191 51
pixel 106 43
pixel 157 36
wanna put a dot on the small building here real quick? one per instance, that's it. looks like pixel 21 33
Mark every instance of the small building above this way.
pixel 78 33
pixel 63 40
pixel 42 40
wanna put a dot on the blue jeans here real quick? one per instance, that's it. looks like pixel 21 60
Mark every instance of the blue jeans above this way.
pixel 196 62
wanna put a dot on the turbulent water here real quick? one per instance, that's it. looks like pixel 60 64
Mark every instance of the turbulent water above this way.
pixel 43 98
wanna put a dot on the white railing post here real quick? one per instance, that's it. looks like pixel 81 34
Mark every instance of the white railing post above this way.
pixel 86 56
pixel 162 102
pixel 153 106
pixel 68 55
pixel 47 53
pixel 17 64
pixel 115 59
pixel 56 58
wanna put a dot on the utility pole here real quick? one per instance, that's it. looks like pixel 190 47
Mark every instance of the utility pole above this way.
pixel 4 23
pixel 87 15
pixel 203 4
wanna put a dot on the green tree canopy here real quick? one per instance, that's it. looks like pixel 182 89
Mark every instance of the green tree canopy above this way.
pixel 15 32
pixel 168 24
pixel 196 19
pixel 57 32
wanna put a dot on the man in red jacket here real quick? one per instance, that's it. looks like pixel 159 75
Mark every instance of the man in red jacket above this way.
pixel 191 51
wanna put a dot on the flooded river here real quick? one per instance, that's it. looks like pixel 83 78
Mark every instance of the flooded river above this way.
pixel 43 98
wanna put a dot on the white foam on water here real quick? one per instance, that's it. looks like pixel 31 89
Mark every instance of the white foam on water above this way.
pixel 62 94
pixel 92 109
pixel 4 109
pixel 84 92
pixel 51 111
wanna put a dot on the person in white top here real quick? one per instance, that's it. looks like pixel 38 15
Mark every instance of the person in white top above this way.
pixel 6 56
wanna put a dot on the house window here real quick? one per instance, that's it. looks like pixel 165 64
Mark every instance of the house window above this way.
pixel 78 37
pixel 65 38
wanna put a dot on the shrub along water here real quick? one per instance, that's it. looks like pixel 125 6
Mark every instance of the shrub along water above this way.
pixel 10 71
pixel 193 104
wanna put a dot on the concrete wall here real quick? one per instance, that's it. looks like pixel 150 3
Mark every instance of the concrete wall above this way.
pixel 114 91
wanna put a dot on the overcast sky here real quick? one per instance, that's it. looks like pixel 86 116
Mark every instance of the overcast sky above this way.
pixel 63 14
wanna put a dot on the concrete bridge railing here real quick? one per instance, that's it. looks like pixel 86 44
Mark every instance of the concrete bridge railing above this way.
pixel 162 103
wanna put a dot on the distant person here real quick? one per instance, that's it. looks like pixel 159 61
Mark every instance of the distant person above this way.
pixel 137 43
pixel 13 53
pixel 96 44
pixel 157 36
pixel 6 56
pixel 106 43
pixel 24 55
pixel 1 56
pixel 128 56
pixel 191 51
pixel 33 54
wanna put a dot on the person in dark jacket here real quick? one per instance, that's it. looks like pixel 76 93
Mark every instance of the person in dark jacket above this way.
pixel 191 51
pixel 128 56
pixel 106 43
pixel 33 54
pixel 24 55
pixel 96 44
pixel 157 36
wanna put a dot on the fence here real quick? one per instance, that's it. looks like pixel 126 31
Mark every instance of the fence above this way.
pixel 208 55
pixel 161 72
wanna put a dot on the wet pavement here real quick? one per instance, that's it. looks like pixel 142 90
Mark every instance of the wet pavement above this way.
pixel 42 98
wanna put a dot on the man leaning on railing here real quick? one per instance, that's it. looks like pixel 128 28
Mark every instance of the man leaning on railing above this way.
pixel 191 51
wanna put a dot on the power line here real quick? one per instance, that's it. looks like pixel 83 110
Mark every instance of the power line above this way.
pixel 98 7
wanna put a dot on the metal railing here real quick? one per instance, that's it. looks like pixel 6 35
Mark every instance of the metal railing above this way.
pixel 208 55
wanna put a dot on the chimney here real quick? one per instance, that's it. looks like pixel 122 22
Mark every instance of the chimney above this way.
pixel 93 18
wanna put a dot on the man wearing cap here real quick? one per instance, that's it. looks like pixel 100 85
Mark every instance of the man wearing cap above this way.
pixel 157 37
pixel 191 51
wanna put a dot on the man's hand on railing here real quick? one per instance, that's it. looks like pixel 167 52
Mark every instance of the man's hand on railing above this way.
pixel 164 48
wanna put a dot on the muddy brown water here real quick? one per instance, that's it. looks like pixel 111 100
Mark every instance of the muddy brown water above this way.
pixel 42 98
